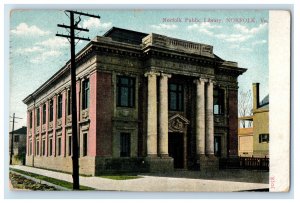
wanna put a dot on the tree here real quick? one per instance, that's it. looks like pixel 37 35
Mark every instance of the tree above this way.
pixel 245 106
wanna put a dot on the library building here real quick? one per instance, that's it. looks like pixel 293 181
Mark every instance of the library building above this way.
pixel 145 103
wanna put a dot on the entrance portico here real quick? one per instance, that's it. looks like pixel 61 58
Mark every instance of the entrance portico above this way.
pixel 157 132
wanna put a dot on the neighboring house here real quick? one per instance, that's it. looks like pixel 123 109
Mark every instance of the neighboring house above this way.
pixel 254 141
pixel 246 139
pixel 260 124
pixel 145 102
pixel 19 145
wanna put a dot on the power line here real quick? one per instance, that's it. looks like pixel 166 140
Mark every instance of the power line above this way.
pixel 71 38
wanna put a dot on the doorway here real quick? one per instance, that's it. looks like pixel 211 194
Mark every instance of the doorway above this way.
pixel 176 150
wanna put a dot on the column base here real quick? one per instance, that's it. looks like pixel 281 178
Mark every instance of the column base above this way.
pixel 160 164
pixel 208 163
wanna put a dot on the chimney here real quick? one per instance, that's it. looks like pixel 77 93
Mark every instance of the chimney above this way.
pixel 255 89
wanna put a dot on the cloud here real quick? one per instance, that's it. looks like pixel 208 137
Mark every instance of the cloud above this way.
pixel 258 42
pixel 246 49
pixel 237 38
pixel 208 25
pixel 54 43
pixel 95 23
pixel 237 47
pixel 25 30
pixel 233 37
pixel 243 34
pixel 47 49
pixel 163 26
pixel 204 27
pixel 44 56
pixel 243 29
pixel 30 49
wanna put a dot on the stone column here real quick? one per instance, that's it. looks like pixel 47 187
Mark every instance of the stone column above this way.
pixel 151 115
pixel 200 117
pixel 209 140
pixel 163 115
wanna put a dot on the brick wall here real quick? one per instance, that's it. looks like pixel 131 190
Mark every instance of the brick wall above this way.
pixel 104 107
pixel 233 123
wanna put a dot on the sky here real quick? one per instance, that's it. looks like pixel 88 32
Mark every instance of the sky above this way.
pixel 36 53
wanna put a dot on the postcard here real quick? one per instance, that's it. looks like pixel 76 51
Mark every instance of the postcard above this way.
pixel 150 100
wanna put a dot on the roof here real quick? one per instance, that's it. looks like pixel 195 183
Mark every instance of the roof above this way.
pixel 265 101
pixel 20 131
pixel 124 35
pixel 264 104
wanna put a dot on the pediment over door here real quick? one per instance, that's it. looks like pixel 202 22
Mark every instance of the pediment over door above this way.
pixel 178 123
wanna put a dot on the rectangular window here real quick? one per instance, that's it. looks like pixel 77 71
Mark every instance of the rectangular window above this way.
pixel 37 148
pixel 59 146
pixel 218 101
pixel 263 138
pixel 30 147
pixel 16 138
pixel 175 97
pixel 70 146
pixel 59 106
pixel 85 143
pixel 37 116
pixel 125 91
pixel 50 147
pixel 30 119
pixel 51 110
pixel 44 113
pixel 69 108
pixel 85 93
pixel 125 145
pixel 43 147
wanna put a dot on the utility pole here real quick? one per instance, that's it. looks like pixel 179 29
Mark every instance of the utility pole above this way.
pixel 71 29
pixel 12 138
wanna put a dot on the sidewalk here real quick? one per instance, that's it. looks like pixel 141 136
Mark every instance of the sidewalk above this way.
pixel 153 183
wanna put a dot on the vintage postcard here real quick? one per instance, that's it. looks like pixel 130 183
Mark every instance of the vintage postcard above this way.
pixel 150 100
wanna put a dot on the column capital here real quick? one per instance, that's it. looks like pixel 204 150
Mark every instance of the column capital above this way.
pixel 200 80
pixel 165 75
pixel 211 81
pixel 151 74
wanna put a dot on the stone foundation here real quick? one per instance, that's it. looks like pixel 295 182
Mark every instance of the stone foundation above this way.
pixel 103 165
pixel 209 163
pixel 160 164
pixel 64 164
pixel 120 165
